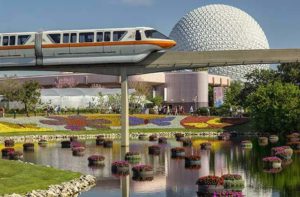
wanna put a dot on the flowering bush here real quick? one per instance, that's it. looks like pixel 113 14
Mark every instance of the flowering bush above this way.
pixel 271 159
pixel 120 164
pixel 210 180
pixel 232 177
pixel 96 158
pixel 7 151
pixel 78 149
pixel 282 150
pixel 140 168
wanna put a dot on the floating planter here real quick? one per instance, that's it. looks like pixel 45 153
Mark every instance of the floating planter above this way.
pixel 78 151
pixel 263 141
pixel 73 138
pixel 187 142
pixel 16 155
pixel 224 136
pixel 193 161
pixel 179 136
pixel 153 138
pixel 43 143
pixel 120 168
pixel 162 140
pixel 28 147
pixel 142 173
pixel 66 144
pixel 143 137
pixel 108 144
pixel 100 137
pixel 178 153
pixel 283 152
pixel 273 138
pixel 96 160
pixel 7 151
pixel 210 185
pixel 100 141
pixel 133 157
pixel 233 182
pixel 295 146
pixel 293 137
pixel 205 146
pixel 9 143
pixel 247 144
pixel 76 144
pixel 272 164
pixel 154 150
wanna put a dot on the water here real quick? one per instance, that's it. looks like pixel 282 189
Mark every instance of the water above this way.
pixel 171 178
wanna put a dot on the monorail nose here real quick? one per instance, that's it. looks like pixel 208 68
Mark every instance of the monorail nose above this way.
pixel 170 44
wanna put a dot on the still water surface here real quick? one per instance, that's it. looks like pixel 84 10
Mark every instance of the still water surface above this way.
pixel 171 178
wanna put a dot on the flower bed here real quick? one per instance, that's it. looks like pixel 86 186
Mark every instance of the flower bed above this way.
pixel 187 142
pixel 273 138
pixel 66 144
pixel 108 144
pixel 153 138
pixel 233 181
pixel 210 184
pixel 270 163
pixel 283 152
pixel 120 168
pixel 133 157
pixel 246 144
pixel 154 150
pixel 9 143
pixel 143 173
pixel 28 147
pixel 78 151
pixel 178 153
pixel 193 162
pixel 162 140
pixel 205 146
pixel 6 151
pixel 96 160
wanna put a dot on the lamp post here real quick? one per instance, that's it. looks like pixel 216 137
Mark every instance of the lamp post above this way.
pixel 195 100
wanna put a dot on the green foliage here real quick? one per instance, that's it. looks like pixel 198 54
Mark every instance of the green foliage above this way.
pixel 275 107
pixel 290 73
pixel 29 95
pixel 157 100
pixel 232 94
pixel 10 88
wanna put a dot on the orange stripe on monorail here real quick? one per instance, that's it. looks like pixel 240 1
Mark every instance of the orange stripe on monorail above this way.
pixel 163 44
pixel 17 47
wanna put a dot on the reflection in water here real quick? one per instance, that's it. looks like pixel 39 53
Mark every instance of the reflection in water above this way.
pixel 171 178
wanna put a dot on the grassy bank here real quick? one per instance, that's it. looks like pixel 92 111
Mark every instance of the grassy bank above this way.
pixel 104 131
pixel 18 177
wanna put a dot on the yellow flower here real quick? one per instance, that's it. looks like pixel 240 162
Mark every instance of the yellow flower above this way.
pixel 215 121
pixel 197 124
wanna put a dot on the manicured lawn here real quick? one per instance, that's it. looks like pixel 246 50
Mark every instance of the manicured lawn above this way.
pixel 17 177
pixel 103 131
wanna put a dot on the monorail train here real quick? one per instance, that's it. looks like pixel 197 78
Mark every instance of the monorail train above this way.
pixel 122 45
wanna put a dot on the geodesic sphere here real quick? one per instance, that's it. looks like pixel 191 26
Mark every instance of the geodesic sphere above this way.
pixel 220 27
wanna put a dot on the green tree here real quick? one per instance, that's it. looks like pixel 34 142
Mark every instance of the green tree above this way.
pixel 275 107
pixel 157 100
pixel 232 94
pixel 29 95
pixel 290 72
pixel 10 89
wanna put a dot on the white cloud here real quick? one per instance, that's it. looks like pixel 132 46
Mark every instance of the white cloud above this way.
pixel 138 2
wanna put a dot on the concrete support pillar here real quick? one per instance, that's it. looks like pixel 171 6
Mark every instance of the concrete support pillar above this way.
pixel 124 109
pixel 125 180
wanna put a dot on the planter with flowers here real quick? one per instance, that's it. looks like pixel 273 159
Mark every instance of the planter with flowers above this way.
pixel 293 137
pixel 9 143
pixel 178 153
pixel 273 139
pixel 16 155
pixel 133 157
pixel 263 141
pixel 143 137
pixel 283 152
pixel 66 144
pixel 7 151
pixel 78 151
pixel 210 184
pixel 120 168
pixel 247 144
pixel 205 146
pixel 108 144
pixel 271 164
pixel 187 142
pixel 153 138
pixel 179 136
pixel 233 182
pixel 162 140
pixel 43 143
pixel 96 160
pixel 154 150
pixel 28 147
pixel 142 172
pixel 192 161
pixel 100 141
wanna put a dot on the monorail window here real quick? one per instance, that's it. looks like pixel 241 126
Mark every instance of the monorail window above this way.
pixel 155 34
pixel 22 39
pixel 66 38
pixel 12 40
pixel 118 35
pixel 107 36
pixel 73 37
pixel 55 38
pixel 5 41
pixel 99 37
pixel 86 37
pixel 138 35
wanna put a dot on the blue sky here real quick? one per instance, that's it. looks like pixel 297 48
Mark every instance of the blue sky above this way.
pixel 279 19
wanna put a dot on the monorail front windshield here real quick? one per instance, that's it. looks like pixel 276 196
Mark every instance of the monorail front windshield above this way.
pixel 155 34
